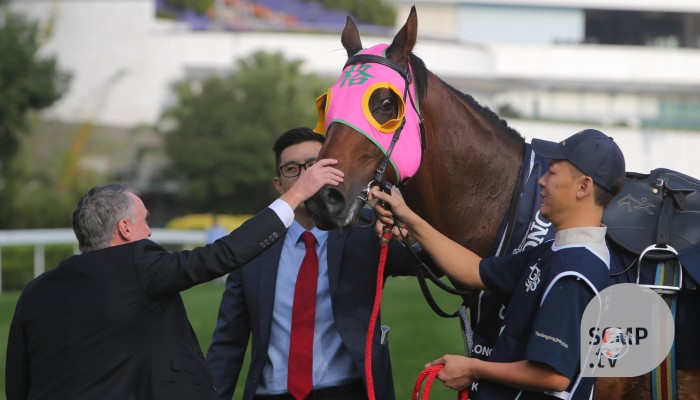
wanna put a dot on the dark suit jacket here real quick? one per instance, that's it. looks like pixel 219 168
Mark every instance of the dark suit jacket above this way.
pixel 110 324
pixel 246 306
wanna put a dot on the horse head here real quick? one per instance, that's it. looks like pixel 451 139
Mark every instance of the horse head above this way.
pixel 375 97
pixel 388 118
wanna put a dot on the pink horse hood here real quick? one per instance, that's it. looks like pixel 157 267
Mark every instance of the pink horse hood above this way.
pixel 347 103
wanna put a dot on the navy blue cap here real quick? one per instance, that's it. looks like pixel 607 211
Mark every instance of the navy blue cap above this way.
pixel 591 151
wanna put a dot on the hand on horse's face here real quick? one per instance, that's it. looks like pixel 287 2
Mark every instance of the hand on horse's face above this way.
pixel 311 180
pixel 318 175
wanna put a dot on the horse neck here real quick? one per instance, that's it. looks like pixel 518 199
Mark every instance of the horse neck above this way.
pixel 469 171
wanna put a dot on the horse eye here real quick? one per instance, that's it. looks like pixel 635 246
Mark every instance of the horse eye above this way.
pixel 384 106
pixel 387 104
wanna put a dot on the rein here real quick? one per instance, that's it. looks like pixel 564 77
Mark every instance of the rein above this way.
pixel 422 269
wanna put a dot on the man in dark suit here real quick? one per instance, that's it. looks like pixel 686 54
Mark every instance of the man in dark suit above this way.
pixel 110 323
pixel 259 299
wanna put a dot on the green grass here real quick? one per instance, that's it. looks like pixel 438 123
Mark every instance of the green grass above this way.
pixel 417 335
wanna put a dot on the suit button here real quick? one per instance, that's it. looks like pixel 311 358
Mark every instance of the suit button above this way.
pixel 213 388
pixel 275 235
pixel 262 245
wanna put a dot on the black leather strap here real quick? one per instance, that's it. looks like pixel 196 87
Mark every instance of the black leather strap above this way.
pixel 371 58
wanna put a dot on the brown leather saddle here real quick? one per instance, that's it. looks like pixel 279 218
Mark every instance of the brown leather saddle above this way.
pixel 656 216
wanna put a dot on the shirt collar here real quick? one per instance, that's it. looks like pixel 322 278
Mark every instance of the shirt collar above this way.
pixel 586 234
pixel 295 231
pixel 593 238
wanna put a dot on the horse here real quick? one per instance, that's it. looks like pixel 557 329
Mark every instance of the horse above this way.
pixel 465 168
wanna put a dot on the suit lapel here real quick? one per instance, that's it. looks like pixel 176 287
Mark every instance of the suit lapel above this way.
pixel 269 263
pixel 336 243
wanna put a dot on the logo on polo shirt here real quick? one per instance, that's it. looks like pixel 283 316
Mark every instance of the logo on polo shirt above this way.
pixel 533 279
pixel 626 330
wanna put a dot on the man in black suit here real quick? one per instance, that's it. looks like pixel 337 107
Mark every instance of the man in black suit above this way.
pixel 110 323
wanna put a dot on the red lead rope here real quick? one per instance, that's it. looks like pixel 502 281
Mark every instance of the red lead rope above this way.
pixel 386 235
pixel 429 372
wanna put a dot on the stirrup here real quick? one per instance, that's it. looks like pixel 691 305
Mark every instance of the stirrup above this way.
pixel 661 289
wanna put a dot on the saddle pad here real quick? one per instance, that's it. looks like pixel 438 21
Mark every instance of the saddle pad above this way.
pixel 632 217
pixel 690 259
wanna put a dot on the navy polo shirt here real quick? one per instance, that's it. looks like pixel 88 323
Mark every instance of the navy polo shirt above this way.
pixel 547 289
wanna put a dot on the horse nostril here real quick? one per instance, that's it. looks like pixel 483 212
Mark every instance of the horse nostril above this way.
pixel 335 201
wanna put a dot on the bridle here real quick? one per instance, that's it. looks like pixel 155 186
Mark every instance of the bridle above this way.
pixel 405 73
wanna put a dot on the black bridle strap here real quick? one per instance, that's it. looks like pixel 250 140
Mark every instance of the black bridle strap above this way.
pixel 382 166
pixel 423 271
pixel 371 58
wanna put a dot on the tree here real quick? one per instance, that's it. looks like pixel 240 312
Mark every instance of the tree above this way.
pixel 27 83
pixel 220 132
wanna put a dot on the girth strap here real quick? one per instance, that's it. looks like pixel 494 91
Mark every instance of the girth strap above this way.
pixel 663 377
pixel 668 281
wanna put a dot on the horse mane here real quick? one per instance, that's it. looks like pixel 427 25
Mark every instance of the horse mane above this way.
pixel 420 73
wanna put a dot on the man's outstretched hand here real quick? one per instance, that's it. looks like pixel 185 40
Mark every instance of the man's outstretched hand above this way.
pixel 312 180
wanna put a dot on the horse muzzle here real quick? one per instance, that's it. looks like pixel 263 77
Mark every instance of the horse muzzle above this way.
pixel 330 209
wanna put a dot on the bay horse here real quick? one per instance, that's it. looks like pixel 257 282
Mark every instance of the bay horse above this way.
pixel 464 168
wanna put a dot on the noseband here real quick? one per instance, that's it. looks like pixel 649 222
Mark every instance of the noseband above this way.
pixel 405 73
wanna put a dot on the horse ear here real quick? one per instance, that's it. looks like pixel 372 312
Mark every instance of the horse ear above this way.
pixel 405 40
pixel 351 38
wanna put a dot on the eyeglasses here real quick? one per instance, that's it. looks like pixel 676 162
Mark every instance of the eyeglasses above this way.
pixel 292 169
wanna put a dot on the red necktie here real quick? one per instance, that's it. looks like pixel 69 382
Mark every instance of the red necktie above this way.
pixel 301 343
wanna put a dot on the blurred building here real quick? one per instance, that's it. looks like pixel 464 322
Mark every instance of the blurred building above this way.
pixel 620 62
pixel 655 23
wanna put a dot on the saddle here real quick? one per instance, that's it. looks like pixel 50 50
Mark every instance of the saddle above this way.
pixel 656 216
